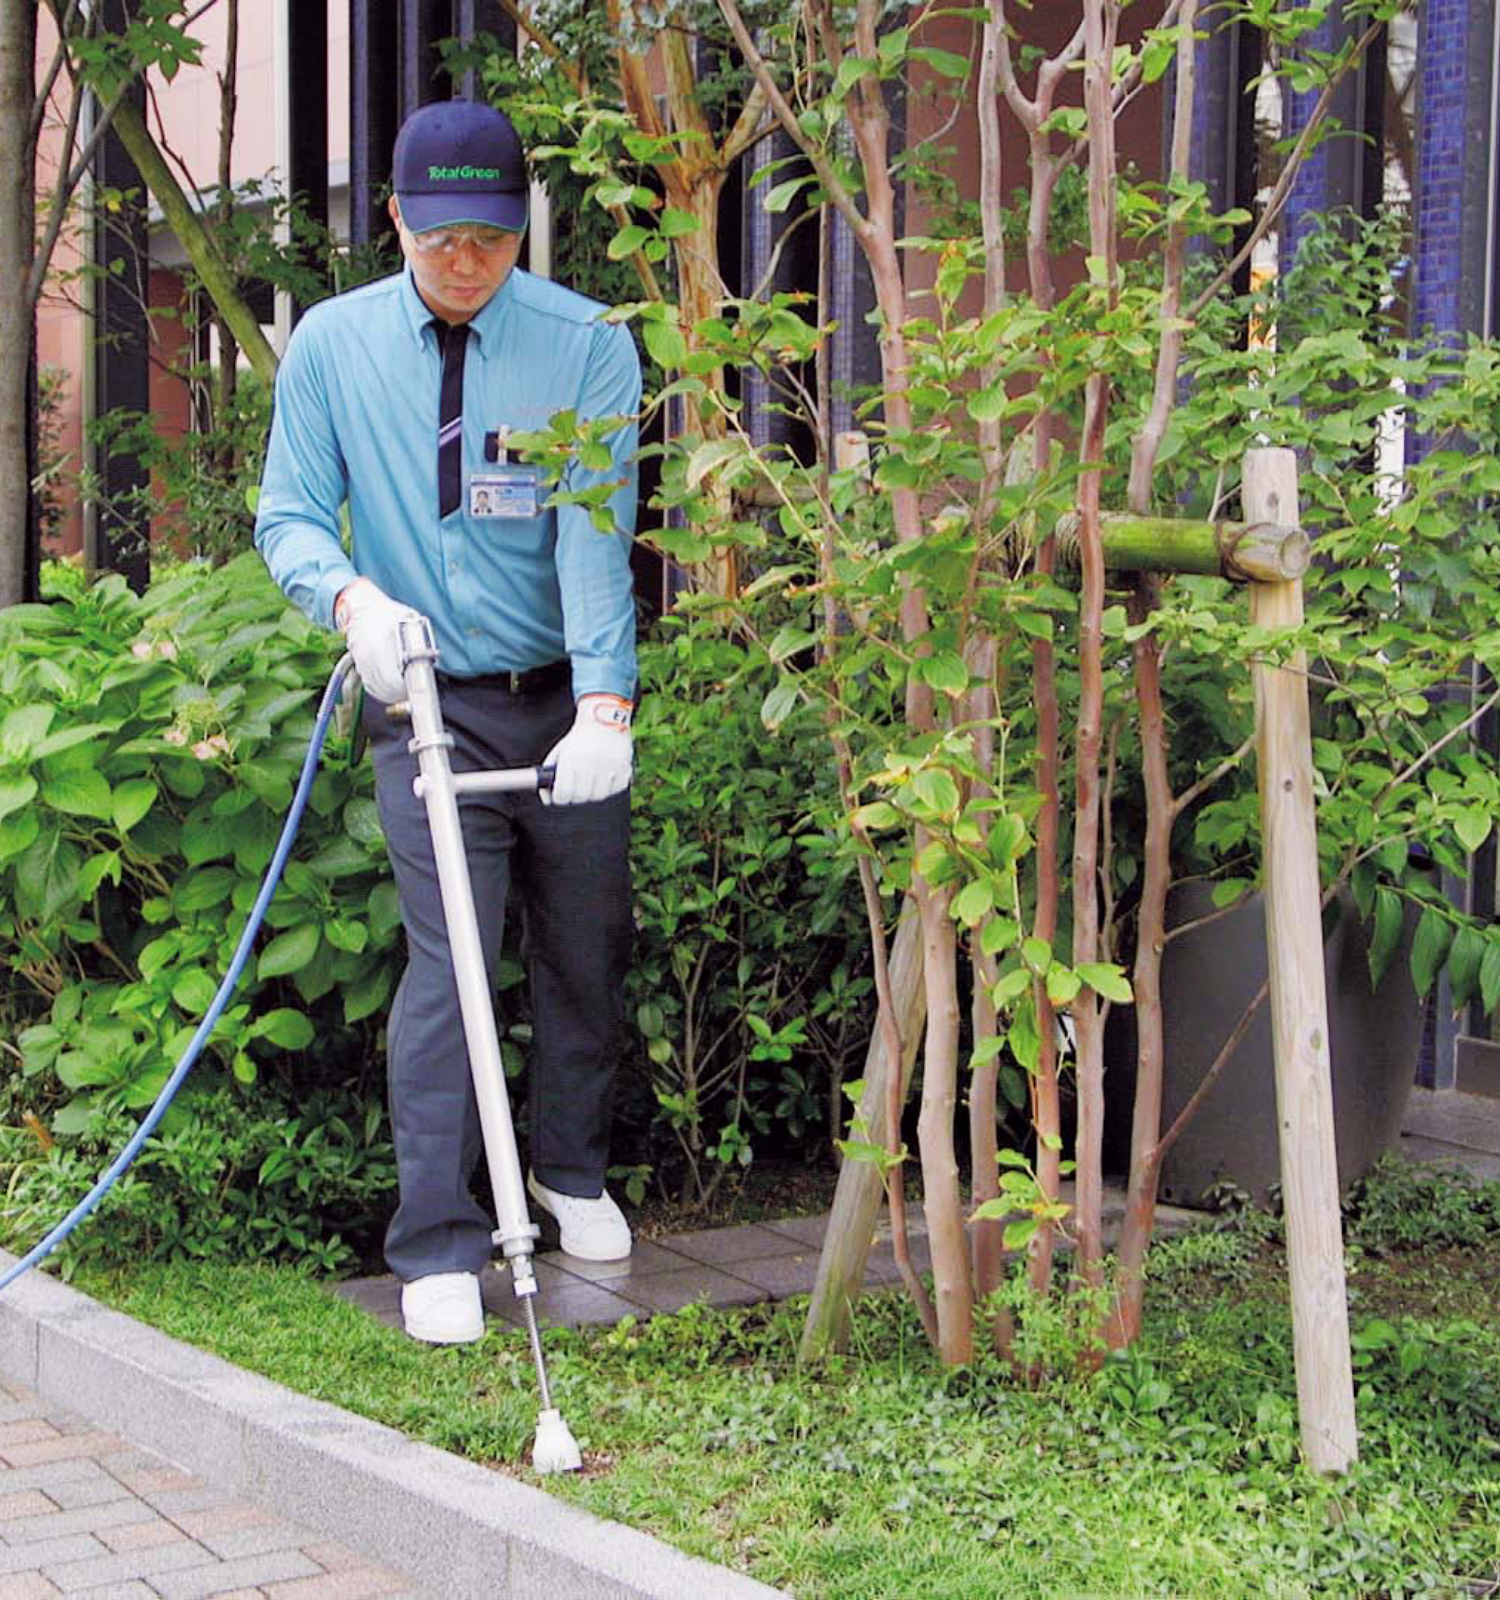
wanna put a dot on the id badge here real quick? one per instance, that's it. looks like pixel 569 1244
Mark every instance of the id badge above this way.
pixel 506 493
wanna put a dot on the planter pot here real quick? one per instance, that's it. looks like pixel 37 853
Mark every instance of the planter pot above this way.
pixel 1209 975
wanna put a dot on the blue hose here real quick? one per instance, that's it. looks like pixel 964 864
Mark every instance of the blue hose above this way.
pixel 225 993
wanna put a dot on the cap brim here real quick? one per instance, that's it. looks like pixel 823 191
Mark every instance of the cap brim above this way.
pixel 421 212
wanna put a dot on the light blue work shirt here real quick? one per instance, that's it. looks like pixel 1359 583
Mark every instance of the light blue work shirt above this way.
pixel 356 419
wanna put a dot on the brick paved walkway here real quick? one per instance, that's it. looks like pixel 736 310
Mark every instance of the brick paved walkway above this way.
pixel 86 1513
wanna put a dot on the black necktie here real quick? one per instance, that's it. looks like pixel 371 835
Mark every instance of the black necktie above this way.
pixel 452 340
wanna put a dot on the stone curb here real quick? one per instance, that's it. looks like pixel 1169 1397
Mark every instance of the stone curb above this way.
pixel 458 1530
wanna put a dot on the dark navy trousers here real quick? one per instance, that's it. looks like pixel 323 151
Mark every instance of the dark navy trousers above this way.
pixel 567 868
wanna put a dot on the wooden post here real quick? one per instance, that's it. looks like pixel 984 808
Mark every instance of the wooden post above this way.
pixel 857 1198
pixel 1299 1002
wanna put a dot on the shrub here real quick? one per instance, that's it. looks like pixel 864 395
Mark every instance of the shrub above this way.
pixel 748 1000
pixel 148 751
pixel 149 748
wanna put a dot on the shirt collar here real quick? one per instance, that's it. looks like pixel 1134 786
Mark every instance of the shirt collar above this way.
pixel 485 324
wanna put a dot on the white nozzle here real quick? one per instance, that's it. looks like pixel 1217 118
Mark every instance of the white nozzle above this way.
pixel 555 1449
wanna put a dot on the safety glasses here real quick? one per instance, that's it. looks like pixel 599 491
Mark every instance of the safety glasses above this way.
pixel 446 241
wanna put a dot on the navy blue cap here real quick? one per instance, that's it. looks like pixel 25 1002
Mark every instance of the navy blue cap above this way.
pixel 460 162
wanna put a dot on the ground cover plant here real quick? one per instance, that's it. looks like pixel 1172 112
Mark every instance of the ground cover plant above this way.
pixel 1173 1470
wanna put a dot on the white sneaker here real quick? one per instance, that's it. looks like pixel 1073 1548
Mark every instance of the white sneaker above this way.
pixel 443 1308
pixel 592 1230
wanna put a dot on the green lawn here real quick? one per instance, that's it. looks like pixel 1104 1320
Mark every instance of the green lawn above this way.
pixel 1173 1472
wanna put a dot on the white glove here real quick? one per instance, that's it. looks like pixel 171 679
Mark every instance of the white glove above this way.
pixel 371 622
pixel 593 758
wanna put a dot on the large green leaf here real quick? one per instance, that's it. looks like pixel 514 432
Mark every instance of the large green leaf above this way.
pixel 289 952
pixel 24 729
pixel 284 1027
pixel 47 876
pixel 1489 974
pixel 16 792
pixel 362 823
pixel 1388 919
pixel 68 738
pixel 209 886
pixel 130 801
pixel 367 994
pixel 384 910
pixel 206 837
pixel 1464 961
pixel 82 793
pixel 1429 949
pixel 194 991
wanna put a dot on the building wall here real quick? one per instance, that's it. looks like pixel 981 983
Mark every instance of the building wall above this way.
pixel 187 107
pixel 60 327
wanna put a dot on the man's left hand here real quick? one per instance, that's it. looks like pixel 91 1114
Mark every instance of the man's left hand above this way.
pixel 593 759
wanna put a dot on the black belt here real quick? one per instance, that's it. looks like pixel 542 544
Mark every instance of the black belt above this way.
pixel 533 680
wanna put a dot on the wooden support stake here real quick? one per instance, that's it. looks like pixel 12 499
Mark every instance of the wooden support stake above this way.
pixel 857 1198
pixel 1299 1002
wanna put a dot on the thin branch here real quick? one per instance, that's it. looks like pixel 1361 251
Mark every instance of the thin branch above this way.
pixel 1164 389
pixel 49 82
pixel 751 126
pixel 68 181
pixel 768 277
pixel 554 53
pixel 1421 761
pixel 834 189
pixel 1211 777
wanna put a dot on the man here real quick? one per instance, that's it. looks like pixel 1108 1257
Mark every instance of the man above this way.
pixel 399 398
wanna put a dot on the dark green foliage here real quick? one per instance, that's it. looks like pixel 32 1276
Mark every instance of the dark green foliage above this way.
pixel 748 990
pixel 1400 1206
pixel 148 752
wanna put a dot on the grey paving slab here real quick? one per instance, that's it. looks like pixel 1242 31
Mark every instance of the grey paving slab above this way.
pixel 248 1573
pixel 805 1230
pixel 93 1571
pixel 647 1257
pixel 1440 1153
pixel 780 1276
pixel 134 1590
pixel 31 1557
pixel 238 1542
pixel 87 1491
pixel 571 1305
pixel 1468 1121
pixel 671 1291
pixel 719 1247
pixel 78 1470
pixel 85 1519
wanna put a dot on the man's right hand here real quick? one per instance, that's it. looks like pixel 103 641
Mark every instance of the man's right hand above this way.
pixel 371 622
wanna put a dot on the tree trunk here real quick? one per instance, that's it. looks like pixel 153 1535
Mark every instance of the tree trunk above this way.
pixel 1145 1133
pixel 184 221
pixel 856 1200
pixel 17 322
pixel 1099 39
pixel 699 291
pixel 952 1284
